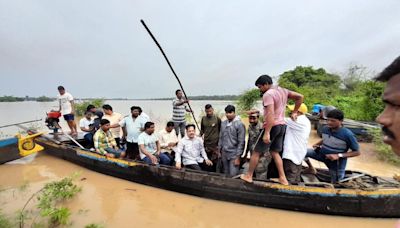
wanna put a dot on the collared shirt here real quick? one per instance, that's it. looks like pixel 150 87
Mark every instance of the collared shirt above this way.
pixel 254 132
pixel 165 138
pixel 114 118
pixel 178 111
pixel 103 140
pixel 149 142
pixel 133 127
pixel 210 127
pixel 190 151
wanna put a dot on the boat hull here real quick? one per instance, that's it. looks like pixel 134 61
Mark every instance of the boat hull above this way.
pixel 348 202
pixel 9 150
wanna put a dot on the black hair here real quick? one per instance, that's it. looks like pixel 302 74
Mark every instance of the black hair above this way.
pixel 190 125
pixel 230 108
pixel 176 92
pixel 390 71
pixel 170 124
pixel 136 107
pixel 208 106
pixel 107 107
pixel 147 125
pixel 264 79
pixel 335 114
pixel 87 111
pixel 60 88
pixel 104 122
pixel 90 107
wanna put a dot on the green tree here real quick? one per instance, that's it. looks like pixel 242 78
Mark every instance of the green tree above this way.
pixel 308 76
pixel 80 108
pixel 248 99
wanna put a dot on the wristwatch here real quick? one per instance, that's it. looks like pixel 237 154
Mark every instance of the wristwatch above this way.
pixel 340 155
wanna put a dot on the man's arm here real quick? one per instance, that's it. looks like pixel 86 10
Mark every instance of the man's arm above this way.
pixel 298 100
pixel 178 154
pixel 241 139
pixel 270 118
pixel 158 150
pixel 72 106
pixel 144 151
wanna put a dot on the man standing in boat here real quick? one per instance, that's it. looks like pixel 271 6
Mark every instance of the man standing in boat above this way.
pixel 231 141
pixel 67 108
pixel 210 127
pixel 191 152
pixel 179 110
pixel 390 117
pixel 274 101
pixel 114 118
pixel 333 148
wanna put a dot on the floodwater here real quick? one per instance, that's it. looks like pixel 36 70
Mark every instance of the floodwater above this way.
pixel 118 203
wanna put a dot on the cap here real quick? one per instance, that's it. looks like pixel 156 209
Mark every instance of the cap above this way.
pixel 303 108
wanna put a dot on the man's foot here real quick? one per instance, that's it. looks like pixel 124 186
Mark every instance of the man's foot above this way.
pixel 283 181
pixel 310 170
pixel 246 178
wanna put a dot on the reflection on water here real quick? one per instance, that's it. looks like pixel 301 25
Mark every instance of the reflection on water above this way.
pixel 119 203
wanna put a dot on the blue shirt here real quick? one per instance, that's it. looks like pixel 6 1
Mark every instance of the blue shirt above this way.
pixel 338 141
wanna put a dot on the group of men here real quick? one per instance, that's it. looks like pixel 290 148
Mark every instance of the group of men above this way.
pixel 222 143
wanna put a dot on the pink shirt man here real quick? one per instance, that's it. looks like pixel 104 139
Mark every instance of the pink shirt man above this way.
pixel 278 97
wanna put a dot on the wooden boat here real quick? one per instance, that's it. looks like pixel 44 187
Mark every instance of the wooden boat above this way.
pixel 362 195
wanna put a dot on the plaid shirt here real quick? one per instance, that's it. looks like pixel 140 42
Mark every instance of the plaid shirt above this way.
pixel 103 140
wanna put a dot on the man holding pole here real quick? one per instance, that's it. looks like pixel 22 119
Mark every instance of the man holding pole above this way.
pixel 178 113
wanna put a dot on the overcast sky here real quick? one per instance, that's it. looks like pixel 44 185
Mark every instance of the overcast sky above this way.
pixel 98 48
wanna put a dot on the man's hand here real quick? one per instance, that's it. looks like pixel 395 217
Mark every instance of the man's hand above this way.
pixel 266 138
pixel 332 157
pixel 315 146
pixel 153 159
pixel 294 115
pixel 237 161
pixel 109 155
pixel 172 144
pixel 178 165
pixel 208 162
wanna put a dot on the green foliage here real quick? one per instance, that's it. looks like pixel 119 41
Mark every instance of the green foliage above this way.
pixel 45 99
pixel 80 108
pixel 308 76
pixel 248 99
pixel 94 225
pixel 5 222
pixel 385 152
pixel 11 99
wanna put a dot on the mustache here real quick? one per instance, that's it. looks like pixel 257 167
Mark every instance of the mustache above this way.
pixel 388 132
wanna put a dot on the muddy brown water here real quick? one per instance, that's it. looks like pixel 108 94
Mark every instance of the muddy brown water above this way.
pixel 118 203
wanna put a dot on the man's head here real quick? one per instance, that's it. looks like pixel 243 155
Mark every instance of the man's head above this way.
pixel 209 110
pixel 253 119
pixel 335 119
pixel 230 112
pixel 61 90
pixel 91 108
pixel 107 109
pixel 105 124
pixel 178 93
pixel 149 127
pixel 302 110
pixel 135 111
pixel 390 117
pixel 88 115
pixel 191 131
pixel 170 126
pixel 264 83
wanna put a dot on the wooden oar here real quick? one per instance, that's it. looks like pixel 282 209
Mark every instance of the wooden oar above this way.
pixel 30 121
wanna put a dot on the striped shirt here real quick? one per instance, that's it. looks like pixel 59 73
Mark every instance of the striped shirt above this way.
pixel 178 111
pixel 103 140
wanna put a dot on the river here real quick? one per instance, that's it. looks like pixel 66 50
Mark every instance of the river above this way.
pixel 118 203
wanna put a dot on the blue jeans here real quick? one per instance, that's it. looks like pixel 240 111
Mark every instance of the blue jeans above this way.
pixel 117 153
pixel 336 168
pixel 89 139
pixel 163 159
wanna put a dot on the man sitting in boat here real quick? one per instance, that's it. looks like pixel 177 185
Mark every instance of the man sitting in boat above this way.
pixel 254 131
pixel 104 141
pixel 191 151
pixel 168 141
pixel 295 143
pixel 86 125
pixel 334 146
pixel 149 146
pixel 231 141
pixel 97 115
